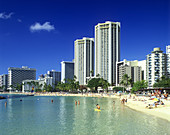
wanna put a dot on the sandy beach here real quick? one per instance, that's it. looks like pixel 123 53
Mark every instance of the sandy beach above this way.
pixel 161 111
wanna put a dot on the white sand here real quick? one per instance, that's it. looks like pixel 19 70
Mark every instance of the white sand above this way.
pixel 162 111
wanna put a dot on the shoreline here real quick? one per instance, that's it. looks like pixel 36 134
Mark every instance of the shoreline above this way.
pixel 162 111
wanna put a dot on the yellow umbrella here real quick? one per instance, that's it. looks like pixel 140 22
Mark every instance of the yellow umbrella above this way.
pixel 155 99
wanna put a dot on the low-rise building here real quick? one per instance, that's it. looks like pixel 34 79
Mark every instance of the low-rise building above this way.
pixel 136 70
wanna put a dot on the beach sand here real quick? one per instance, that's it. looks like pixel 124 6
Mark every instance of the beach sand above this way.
pixel 162 111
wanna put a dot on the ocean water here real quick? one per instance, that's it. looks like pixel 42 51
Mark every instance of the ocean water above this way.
pixel 39 116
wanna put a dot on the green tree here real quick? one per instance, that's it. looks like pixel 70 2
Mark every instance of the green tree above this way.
pixel 98 75
pixel 139 85
pixel 49 88
pixel 62 86
pixel 104 84
pixel 119 88
pixel 91 73
pixel 73 84
pixel 93 83
pixel 3 87
pixel 162 82
pixel 126 81
pixel 38 87
pixel 18 87
pixel 82 87
pixel 45 86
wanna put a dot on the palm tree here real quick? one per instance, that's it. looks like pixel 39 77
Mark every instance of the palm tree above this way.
pixel 11 86
pixel 3 87
pixel 98 75
pixel 29 84
pixel 126 81
pixel 104 83
pixel 45 86
pixel 91 73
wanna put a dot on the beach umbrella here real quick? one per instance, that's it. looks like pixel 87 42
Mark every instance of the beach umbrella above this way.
pixel 155 99
pixel 119 91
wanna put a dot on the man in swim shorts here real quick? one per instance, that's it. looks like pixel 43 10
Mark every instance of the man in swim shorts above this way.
pixel 98 107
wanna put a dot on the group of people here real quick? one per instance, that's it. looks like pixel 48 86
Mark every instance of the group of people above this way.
pixel 124 100
pixel 76 102
pixel 150 106
pixel 158 94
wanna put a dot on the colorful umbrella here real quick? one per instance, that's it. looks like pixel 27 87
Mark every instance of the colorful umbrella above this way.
pixel 155 99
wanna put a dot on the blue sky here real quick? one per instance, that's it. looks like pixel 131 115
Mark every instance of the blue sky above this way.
pixel 41 33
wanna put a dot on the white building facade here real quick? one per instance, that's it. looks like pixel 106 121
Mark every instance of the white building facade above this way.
pixel 107 50
pixel 4 81
pixel 136 70
pixel 29 85
pixel 56 77
pixel 67 71
pixel 156 66
pixel 168 60
pixel 84 59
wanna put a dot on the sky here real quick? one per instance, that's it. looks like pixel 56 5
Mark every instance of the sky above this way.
pixel 41 33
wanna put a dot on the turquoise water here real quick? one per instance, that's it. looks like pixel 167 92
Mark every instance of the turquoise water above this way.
pixel 39 116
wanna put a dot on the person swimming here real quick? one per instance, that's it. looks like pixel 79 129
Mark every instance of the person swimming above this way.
pixel 98 107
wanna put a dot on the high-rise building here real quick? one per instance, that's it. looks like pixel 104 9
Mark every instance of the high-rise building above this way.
pixel 107 50
pixel 136 70
pixel 168 59
pixel 4 81
pixel 55 75
pixel 156 66
pixel 67 71
pixel 84 59
pixel 17 75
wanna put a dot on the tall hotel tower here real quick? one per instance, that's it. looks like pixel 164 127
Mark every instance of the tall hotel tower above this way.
pixel 84 59
pixel 107 50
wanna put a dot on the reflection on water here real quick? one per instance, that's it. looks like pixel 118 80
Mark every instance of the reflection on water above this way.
pixel 38 115
pixel 9 109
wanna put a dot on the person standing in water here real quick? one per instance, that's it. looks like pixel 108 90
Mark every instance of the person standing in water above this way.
pixel 98 107
pixel 75 102
pixel 78 102
pixel 5 104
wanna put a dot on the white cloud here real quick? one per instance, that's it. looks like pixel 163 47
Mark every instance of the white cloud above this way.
pixel 5 16
pixel 38 27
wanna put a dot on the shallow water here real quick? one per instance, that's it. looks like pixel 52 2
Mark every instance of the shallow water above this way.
pixel 39 116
